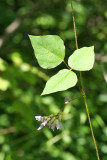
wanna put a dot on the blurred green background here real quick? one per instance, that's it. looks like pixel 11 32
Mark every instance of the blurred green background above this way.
pixel 22 81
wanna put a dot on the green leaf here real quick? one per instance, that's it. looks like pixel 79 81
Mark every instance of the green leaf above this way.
pixel 49 50
pixel 82 59
pixel 63 80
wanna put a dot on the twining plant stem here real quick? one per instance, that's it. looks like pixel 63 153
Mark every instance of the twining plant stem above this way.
pixel 83 91
pixel 66 64
pixel 76 42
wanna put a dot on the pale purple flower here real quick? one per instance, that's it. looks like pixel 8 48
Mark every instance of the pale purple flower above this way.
pixel 50 123
pixel 39 118
pixel 53 126
pixel 58 126
pixel 42 125
pixel 56 123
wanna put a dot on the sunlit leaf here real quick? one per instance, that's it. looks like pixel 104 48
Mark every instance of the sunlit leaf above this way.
pixel 63 80
pixel 4 84
pixel 3 65
pixel 49 50
pixel 82 59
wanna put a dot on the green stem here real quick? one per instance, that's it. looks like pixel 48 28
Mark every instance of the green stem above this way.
pixel 75 32
pixel 83 91
pixel 66 65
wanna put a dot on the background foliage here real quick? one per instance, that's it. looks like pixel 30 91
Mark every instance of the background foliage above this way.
pixel 22 81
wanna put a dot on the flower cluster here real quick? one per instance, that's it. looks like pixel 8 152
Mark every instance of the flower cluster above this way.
pixel 51 121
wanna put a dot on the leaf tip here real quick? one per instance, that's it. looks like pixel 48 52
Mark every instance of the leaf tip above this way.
pixel 42 93
pixel 29 36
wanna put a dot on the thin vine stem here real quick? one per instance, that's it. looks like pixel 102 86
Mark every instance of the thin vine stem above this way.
pixel 75 32
pixel 66 65
pixel 83 91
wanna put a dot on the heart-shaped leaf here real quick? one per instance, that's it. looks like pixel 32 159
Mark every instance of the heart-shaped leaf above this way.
pixel 49 50
pixel 82 59
pixel 63 80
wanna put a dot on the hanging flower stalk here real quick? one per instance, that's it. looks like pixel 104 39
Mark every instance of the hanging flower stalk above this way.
pixel 53 120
